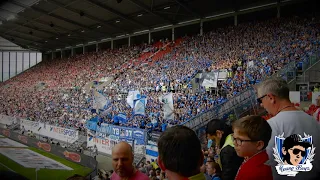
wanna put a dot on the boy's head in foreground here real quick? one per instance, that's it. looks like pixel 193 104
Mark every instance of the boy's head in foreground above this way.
pixel 251 135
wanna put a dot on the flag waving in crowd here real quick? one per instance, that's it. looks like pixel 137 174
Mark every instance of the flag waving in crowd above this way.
pixel 168 109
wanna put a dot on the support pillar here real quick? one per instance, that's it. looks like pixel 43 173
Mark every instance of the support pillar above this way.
pixel 173 34
pixel 201 28
pixel 235 20
pixel 278 11
pixel 97 47
pixel 83 49
pixel 111 44
pixel 129 41
pixel 149 41
pixel 72 51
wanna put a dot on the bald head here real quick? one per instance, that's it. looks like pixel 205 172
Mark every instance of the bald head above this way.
pixel 122 159
pixel 123 147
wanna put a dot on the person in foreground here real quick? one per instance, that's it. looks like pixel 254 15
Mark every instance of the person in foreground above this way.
pixel 180 154
pixel 273 95
pixel 122 163
pixel 219 132
pixel 251 137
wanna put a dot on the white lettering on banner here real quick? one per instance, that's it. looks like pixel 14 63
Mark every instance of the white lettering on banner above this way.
pixel 116 131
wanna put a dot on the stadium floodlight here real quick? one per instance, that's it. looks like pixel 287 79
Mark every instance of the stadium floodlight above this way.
pixel 69 35
pixel 185 22
pixel 82 31
pixel 168 7
pixel 99 26
pixel 139 15
pixel 117 21
pixel 79 45
pixel 57 38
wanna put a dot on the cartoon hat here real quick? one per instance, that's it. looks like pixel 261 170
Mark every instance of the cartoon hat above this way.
pixel 296 140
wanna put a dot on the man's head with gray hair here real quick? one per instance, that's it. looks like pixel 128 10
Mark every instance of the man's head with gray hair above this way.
pixel 276 86
pixel 273 95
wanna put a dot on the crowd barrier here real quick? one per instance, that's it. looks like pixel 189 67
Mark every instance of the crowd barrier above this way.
pixel 57 150
pixel 53 132
pixel 232 108
pixel 66 135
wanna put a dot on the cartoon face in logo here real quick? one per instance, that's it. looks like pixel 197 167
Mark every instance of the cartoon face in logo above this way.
pixel 293 154
pixel 294 150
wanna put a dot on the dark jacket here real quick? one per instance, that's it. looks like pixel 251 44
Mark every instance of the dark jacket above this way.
pixel 230 162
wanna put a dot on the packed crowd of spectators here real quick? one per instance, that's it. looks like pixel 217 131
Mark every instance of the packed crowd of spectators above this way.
pixel 248 52
pixel 53 91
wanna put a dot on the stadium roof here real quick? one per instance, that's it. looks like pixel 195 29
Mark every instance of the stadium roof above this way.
pixel 50 24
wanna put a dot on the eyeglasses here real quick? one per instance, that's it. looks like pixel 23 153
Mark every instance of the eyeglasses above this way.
pixel 240 141
pixel 296 151
pixel 259 100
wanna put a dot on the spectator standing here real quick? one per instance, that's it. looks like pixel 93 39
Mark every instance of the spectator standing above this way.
pixel 251 137
pixel 274 97
pixel 228 160
pixel 122 162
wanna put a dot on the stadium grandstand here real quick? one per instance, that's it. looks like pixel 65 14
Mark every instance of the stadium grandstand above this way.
pixel 79 76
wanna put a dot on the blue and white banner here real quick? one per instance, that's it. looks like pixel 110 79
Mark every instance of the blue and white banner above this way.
pixel 92 123
pixel 121 118
pixel 151 151
pixel 108 135
pixel 168 108
pixel 132 96
pixel 99 101
pixel 123 132
pixel 139 106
